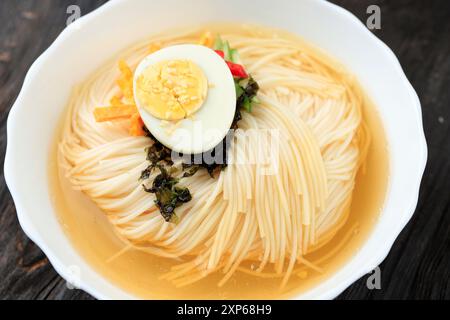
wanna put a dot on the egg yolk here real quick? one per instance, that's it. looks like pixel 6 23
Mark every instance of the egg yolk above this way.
pixel 172 90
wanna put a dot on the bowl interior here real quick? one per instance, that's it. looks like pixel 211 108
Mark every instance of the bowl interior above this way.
pixel 87 43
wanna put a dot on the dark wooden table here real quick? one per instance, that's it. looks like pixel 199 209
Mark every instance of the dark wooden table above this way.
pixel 418 266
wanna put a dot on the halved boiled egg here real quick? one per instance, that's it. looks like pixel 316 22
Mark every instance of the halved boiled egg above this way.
pixel 191 87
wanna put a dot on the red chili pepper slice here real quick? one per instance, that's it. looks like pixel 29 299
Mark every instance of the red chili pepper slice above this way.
pixel 237 70
pixel 220 53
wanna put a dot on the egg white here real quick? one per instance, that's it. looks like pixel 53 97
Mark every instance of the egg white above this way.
pixel 210 124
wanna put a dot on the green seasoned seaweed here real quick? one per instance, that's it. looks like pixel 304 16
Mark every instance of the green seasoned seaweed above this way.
pixel 246 91
pixel 168 195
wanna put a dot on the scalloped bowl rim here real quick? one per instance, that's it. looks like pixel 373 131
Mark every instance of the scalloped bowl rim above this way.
pixel 105 290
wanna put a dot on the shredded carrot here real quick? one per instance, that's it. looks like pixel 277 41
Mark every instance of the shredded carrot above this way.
pixel 206 39
pixel 114 112
pixel 125 81
pixel 136 128
pixel 125 69
pixel 116 101
pixel 126 86
pixel 118 110
pixel 153 47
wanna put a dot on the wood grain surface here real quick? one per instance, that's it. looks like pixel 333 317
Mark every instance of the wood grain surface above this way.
pixel 417 267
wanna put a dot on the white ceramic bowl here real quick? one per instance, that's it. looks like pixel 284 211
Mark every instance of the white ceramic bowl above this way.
pixel 85 44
